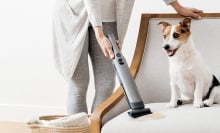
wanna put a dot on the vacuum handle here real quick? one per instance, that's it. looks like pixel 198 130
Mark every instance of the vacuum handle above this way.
pixel 125 77
pixel 115 48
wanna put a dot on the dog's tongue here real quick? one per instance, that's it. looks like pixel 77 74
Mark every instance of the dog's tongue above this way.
pixel 170 52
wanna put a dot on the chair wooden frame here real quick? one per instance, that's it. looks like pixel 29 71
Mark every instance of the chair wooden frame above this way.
pixel 99 113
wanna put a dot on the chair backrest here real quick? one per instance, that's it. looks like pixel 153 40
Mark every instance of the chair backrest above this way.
pixel 152 77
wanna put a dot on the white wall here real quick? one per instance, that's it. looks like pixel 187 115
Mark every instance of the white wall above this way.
pixel 29 83
pixel 28 80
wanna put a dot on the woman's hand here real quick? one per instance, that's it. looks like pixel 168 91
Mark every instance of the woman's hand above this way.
pixel 186 11
pixel 104 42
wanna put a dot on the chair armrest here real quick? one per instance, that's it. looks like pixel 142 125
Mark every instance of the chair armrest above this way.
pixel 105 107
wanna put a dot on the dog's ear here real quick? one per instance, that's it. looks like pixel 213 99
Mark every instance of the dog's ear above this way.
pixel 165 24
pixel 185 24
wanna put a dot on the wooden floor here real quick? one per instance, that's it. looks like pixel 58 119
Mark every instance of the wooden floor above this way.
pixel 13 127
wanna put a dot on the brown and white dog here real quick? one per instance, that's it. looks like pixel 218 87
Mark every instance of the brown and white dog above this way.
pixel 190 78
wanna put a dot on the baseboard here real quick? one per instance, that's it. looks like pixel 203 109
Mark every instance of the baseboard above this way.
pixel 22 113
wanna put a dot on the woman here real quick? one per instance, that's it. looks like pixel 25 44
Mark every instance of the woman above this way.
pixel 80 27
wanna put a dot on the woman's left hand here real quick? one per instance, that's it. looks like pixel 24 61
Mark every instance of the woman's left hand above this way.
pixel 186 11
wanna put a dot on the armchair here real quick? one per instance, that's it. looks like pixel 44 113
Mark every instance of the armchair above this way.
pixel 149 68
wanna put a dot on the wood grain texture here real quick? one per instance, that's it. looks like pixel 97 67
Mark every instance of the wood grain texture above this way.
pixel 13 127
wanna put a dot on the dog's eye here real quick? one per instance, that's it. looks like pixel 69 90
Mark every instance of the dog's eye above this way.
pixel 164 36
pixel 183 31
pixel 176 35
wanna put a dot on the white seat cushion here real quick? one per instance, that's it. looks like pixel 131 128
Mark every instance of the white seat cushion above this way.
pixel 183 119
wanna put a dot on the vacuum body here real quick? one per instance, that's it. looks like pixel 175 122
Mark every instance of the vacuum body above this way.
pixel 126 81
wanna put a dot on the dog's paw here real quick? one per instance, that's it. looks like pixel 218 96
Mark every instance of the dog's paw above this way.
pixel 172 105
pixel 208 103
pixel 180 102
pixel 198 104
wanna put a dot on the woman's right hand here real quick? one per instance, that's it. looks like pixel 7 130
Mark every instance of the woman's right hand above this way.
pixel 104 42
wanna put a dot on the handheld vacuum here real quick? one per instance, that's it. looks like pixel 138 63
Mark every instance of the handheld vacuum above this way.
pixel 126 81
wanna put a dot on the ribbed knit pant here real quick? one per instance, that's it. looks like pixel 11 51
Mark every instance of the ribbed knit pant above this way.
pixel 104 75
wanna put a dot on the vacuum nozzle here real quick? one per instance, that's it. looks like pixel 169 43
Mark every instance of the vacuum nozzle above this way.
pixel 139 112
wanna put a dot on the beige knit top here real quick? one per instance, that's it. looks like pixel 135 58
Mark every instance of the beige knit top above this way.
pixel 108 10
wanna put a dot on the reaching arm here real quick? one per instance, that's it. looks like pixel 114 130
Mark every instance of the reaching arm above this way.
pixel 184 11
pixel 94 11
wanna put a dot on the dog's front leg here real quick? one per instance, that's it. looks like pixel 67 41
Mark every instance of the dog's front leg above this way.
pixel 198 94
pixel 174 95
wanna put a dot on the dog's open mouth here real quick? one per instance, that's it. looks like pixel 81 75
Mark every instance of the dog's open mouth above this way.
pixel 171 52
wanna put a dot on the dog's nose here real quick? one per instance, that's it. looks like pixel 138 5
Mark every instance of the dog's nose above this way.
pixel 166 47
